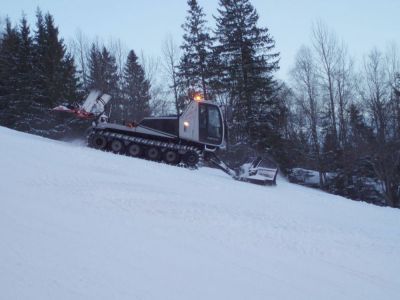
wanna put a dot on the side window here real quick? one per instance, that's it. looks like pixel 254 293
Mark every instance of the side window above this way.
pixel 214 122
pixel 203 117
pixel 210 124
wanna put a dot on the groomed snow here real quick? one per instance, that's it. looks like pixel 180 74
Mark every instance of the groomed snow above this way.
pixel 77 223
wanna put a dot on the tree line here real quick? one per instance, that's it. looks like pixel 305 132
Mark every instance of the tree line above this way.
pixel 331 125
pixel 37 73
pixel 344 121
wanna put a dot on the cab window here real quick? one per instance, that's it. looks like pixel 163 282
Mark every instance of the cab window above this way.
pixel 210 124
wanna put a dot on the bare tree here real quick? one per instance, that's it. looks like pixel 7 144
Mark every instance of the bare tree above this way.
pixel 375 92
pixel 159 103
pixel 170 63
pixel 79 46
pixel 159 98
pixel 393 75
pixel 326 47
pixel 392 60
pixel 120 52
pixel 306 82
pixel 385 150
pixel 345 84
pixel 151 67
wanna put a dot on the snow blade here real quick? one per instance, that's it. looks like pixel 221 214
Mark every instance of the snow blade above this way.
pixel 92 107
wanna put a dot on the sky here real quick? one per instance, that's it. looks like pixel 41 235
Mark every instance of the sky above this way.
pixel 144 25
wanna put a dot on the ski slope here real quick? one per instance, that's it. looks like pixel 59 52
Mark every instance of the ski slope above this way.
pixel 77 223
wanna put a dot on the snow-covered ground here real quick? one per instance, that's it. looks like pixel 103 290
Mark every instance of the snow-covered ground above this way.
pixel 77 223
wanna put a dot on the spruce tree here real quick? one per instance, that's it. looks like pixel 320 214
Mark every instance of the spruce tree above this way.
pixel 194 70
pixel 110 72
pixel 9 62
pixel 55 80
pixel 95 77
pixel 25 83
pixel 25 62
pixel 136 90
pixel 10 108
pixel 35 74
pixel 55 68
pixel 70 79
pixel 247 64
pixel 103 74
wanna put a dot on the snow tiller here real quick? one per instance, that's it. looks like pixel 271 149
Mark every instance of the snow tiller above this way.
pixel 91 108
pixel 186 139
pixel 255 170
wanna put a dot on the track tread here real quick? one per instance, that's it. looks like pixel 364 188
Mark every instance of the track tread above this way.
pixel 148 142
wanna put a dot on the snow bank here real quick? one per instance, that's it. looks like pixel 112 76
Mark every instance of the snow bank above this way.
pixel 76 223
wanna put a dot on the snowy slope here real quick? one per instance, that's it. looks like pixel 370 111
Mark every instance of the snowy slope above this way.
pixel 76 223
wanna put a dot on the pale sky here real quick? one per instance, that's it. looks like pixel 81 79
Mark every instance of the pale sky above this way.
pixel 143 25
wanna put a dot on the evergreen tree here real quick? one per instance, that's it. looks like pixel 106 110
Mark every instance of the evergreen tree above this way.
pixel 55 68
pixel 9 74
pixel 25 83
pixel 103 73
pixel 95 77
pixel 110 72
pixel 25 62
pixel 247 63
pixel 70 79
pixel 9 61
pixel 103 76
pixel 16 75
pixel 194 69
pixel 136 90
pixel 53 79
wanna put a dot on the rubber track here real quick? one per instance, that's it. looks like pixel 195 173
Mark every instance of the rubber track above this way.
pixel 182 149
